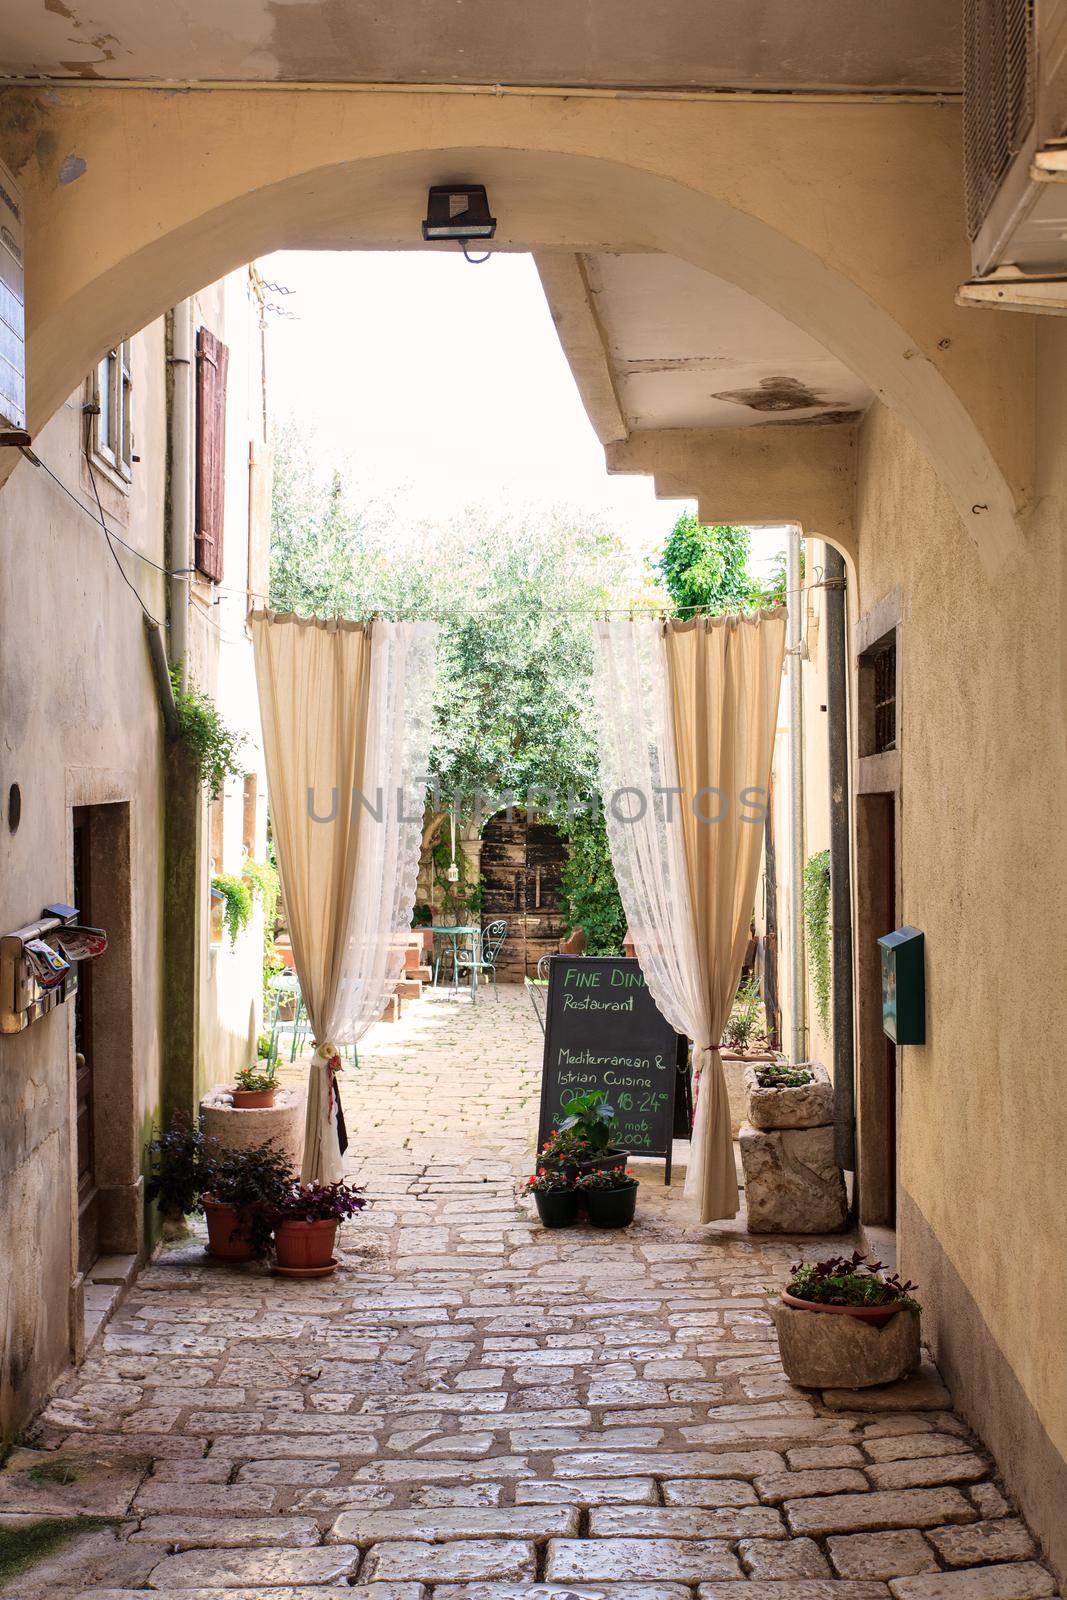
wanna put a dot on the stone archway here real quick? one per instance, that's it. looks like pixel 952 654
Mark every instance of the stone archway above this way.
pixel 842 219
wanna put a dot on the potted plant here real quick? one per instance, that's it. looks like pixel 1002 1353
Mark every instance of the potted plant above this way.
pixel 244 1189
pixel 306 1220
pixel 554 1195
pixel 255 1086
pixel 179 1162
pixel 846 1323
pixel 584 1137
pixel 609 1195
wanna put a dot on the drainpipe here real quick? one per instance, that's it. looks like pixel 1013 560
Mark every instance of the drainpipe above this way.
pixel 180 484
pixel 794 670
pixel 841 977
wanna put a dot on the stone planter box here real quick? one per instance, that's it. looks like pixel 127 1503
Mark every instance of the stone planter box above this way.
pixel 823 1351
pixel 792 1182
pixel 241 1129
pixel 809 1106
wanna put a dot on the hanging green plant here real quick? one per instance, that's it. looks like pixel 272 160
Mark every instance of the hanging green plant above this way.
pixel 817 931
pixel 212 743
pixel 236 897
pixel 262 878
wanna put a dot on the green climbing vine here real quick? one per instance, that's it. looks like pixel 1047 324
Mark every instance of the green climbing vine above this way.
pixel 236 897
pixel 214 746
pixel 817 930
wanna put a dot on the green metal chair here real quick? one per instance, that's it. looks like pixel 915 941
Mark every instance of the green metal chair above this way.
pixel 483 955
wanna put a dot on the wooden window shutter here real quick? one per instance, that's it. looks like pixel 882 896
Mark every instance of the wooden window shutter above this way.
pixel 212 360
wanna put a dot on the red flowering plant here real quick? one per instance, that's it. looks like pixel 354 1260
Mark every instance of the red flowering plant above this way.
pixel 546 1180
pixel 606 1178
pixel 319 1202
pixel 569 1146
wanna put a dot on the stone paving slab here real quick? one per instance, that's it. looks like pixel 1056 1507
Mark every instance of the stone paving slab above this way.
pixel 476 1408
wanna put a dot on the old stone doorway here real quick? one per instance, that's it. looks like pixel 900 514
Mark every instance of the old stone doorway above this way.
pixel 521 867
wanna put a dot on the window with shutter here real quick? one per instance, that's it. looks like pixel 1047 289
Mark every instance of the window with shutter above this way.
pixel 212 359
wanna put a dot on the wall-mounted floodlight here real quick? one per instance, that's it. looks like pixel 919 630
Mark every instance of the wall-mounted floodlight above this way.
pixel 459 211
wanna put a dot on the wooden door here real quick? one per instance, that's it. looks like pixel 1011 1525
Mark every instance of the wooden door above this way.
pixel 85 1128
pixel 521 865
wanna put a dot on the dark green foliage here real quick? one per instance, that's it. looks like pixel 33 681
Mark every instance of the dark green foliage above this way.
pixel 747 1017
pixel 213 745
pixel 589 895
pixel 180 1165
pixel 707 567
pixel 591 1120
pixel 817 931
pixel 23 1547
pixel 255 1183
pixel 775 1077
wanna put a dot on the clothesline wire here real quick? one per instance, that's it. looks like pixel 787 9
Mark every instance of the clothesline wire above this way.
pixel 647 609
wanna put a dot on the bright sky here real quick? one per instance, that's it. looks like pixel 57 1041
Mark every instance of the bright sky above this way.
pixel 447 378
pixel 426 374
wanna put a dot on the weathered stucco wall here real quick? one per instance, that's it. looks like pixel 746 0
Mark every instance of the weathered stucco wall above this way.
pixel 983 1127
pixel 80 725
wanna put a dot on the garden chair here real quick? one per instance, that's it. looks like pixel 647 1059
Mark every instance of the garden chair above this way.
pixel 482 955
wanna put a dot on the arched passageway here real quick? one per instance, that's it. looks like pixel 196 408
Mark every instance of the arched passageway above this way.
pixel 864 259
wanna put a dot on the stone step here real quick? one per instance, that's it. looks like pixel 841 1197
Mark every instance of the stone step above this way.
pixel 113 1269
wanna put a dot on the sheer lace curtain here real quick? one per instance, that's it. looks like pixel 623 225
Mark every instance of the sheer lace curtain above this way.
pixel 687 713
pixel 346 727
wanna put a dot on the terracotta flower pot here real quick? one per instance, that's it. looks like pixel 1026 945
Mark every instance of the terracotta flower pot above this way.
pixel 252 1099
pixel 611 1208
pixel 303 1246
pixel 877 1316
pixel 557 1208
pixel 224 1235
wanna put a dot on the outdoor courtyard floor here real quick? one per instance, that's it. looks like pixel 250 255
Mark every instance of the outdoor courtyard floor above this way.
pixel 475 1407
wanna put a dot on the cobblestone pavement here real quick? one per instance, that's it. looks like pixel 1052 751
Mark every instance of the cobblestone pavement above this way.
pixel 475 1406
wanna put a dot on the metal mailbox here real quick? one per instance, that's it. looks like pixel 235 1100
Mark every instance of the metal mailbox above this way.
pixel 23 997
pixel 904 986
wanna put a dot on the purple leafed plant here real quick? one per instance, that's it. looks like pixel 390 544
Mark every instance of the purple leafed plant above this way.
pixel 850 1281
pixel 320 1202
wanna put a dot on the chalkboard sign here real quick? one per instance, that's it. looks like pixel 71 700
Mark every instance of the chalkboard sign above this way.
pixel 604 1031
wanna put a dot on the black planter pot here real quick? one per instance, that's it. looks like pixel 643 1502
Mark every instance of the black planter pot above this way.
pixel 611 1208
pixel 606 1161
pixel 557 1208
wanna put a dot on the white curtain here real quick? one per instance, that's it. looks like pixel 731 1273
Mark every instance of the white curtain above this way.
pixel 346 713
pixel 687 713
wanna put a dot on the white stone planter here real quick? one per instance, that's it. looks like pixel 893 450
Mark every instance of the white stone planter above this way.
pixel 283 1122
pixel 811 1105
pixel 792 1181
pixel 826 1350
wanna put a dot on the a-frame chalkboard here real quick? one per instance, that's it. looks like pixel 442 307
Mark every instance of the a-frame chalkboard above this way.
pixel 603 1030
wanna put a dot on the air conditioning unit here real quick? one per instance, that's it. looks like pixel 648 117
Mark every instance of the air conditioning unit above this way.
pixel 12 314
pixel 1015 153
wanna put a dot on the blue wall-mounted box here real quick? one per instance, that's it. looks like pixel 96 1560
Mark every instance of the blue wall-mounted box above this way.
pixel 904 986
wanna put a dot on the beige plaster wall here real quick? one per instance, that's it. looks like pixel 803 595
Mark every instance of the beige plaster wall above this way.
pixel 231 1011
pixel 983 1125
pixel 80 724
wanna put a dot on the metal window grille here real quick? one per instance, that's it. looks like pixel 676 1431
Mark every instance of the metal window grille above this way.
pixel 885 699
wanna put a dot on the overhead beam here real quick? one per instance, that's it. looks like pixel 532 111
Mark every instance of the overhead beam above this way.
pixel 785 472
pixel 581 335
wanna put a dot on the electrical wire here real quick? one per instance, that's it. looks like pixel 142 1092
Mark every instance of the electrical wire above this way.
pixel 647 608
pixel 103 521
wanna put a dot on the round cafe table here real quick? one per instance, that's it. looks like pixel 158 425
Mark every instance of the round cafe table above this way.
pixel 454 933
